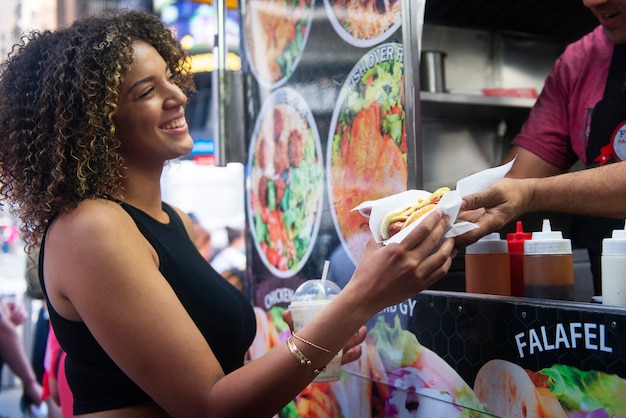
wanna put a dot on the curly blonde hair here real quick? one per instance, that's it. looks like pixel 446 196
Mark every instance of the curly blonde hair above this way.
pixel 58 100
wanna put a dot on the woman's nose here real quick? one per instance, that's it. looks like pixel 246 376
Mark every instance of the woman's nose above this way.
pixel 177 97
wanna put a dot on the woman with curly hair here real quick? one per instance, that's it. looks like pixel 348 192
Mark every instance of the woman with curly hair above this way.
pixel 89 115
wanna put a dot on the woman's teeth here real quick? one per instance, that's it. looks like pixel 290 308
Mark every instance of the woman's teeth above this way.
pixel 178 123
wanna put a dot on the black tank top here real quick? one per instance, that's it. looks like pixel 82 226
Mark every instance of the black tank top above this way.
pixel 223 315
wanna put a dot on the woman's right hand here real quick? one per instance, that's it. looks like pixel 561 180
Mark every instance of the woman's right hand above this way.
pixel 390 274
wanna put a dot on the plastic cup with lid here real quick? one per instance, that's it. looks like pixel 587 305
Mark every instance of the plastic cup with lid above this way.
pixel 309 299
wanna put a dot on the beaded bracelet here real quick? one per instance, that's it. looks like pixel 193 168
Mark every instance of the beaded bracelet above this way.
pixel 295 351
pixel 299 338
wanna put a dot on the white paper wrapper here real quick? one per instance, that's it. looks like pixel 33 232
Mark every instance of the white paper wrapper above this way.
pixel 450 204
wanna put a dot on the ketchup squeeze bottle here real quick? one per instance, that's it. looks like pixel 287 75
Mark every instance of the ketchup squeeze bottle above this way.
pixel 515 241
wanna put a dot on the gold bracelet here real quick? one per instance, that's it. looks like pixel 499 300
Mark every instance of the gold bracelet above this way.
pixel 297 353
pixel 299 338
pixel 293 348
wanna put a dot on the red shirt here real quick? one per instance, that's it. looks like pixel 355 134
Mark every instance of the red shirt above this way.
pixel 557 128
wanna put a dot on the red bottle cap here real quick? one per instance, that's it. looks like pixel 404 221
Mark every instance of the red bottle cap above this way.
pixel 516 239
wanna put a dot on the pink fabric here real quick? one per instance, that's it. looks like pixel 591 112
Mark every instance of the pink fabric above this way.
pixel 54 361
pixel 557 129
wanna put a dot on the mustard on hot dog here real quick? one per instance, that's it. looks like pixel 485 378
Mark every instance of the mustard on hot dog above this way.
pixel 398 219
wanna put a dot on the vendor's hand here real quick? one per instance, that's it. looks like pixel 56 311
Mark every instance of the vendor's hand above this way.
pixel 492 209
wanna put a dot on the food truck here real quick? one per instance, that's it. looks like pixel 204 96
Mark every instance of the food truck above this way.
pixel 335 115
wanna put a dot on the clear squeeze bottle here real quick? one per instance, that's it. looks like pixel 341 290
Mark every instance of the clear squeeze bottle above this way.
pixel 487 268
pixel 548 265
pixel 515 241
pixel 614 269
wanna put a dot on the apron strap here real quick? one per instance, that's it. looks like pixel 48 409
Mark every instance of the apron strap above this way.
pixel 615 79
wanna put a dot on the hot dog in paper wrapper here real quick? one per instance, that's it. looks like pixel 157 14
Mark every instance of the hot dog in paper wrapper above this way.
pixel 449 204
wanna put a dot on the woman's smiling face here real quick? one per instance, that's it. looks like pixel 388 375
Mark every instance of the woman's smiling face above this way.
pixel 150 121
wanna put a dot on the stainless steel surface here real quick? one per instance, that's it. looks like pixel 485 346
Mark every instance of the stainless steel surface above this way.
pixel 464 131
pixel 221 85
pixel 478 59
pixel 412 25
pixel 453 149
pixel 432 71
pixel 478 100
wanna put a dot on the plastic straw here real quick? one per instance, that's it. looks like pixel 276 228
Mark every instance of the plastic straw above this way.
pixel 325 272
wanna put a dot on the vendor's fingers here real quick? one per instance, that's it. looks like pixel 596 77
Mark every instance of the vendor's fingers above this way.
pixel 471 215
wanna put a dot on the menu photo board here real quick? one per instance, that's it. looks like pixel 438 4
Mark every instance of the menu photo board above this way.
pixel 326 129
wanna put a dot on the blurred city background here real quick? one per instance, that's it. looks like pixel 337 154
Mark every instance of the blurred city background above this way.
pixel 213 173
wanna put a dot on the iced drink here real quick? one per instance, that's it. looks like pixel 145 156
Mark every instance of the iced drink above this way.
pixel 309 300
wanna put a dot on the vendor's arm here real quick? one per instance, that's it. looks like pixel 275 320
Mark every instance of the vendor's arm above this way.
pixel 528 164
pixel 597 191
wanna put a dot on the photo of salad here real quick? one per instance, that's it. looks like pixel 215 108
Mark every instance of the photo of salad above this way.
pixel 366 154
pixel 364 23
pixel 284 182
pixel 276 32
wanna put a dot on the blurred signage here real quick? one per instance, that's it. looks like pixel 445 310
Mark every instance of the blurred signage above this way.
pixel 206 62
pixel 203 152
pixel 203 147
pixel 194 24
pixel 230 4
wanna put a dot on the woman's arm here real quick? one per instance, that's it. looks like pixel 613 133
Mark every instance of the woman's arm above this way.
pixel 101 270
pixel 14 355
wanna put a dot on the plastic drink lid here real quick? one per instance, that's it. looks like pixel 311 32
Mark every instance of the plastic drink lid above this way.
pixel 488 244
pixel 516 239
pixel 547 241
pixel 616 245
pixel 316 289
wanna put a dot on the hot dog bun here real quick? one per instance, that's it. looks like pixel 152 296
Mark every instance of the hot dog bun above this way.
pixel 400 218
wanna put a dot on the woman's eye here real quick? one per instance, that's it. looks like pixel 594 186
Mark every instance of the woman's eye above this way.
pixel 146 92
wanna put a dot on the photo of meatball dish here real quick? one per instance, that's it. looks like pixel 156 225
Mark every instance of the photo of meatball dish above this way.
pixel 285 179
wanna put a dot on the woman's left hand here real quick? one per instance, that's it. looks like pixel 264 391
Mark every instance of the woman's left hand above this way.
pixel 351 351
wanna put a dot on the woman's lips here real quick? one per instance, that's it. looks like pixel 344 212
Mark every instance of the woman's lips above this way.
pixel 175 124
